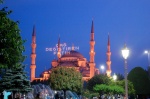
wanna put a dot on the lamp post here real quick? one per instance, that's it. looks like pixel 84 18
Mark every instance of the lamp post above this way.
pixel 102 68
pixel 148 54
pixel 125 54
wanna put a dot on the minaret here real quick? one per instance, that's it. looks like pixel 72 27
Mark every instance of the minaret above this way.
pixel 59 49
pixel 108 62
pixel 92 52
pixel 33 55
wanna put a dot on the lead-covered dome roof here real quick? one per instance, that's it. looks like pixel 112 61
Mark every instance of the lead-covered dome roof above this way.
pixel 73 53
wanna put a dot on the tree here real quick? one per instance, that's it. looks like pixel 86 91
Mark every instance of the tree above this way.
pixel 131 89
pixel 113 89
pixel 97 79
pixel 139 77
pixel 15 80
pixel 13 77
pixel 1 1
pixel 11 43
pixel 88 94
pixel 120 76
pixel 148 71
pixel 64 78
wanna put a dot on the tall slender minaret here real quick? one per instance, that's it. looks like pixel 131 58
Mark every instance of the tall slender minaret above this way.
pixel 108 62
pixel 59 49
pixel 92 52
pixel 33 55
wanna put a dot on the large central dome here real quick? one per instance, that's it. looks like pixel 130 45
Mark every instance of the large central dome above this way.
pixel 73 53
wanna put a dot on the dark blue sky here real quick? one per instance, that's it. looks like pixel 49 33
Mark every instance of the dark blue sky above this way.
pixel 127 21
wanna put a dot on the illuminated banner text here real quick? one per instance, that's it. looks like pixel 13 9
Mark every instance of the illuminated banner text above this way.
pixel 64 48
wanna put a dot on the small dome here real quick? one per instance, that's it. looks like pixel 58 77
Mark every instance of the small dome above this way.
pixel 54 60
pixel 73 53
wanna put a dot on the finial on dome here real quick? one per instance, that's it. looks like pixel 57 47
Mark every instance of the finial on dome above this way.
pixel 72 47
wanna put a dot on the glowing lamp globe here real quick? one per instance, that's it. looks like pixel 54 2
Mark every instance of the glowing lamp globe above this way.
pixel 102 67
pixel 145 51
pixel 125 52
pixel 114 76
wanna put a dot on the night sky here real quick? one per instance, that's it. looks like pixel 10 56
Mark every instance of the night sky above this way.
pixel 127 21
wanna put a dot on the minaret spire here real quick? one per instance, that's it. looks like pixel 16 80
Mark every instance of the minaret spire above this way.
pixel 33 55
pixel 108 62
pixel 108 40
pixel 59 49
pixel 92 27
pixel 34 32
pixel 92 52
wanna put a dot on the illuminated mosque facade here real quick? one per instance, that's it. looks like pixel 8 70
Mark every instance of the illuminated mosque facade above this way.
pixel 71 59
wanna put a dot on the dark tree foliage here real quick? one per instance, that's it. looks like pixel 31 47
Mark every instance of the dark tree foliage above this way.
pixel 89 95
pixel 97 79
pixel 139 77
pixel 15 80
pixel 45 82
pixel 120 76
pixel 64 78
pixel 11 43
pixel 148 72
pixel 1 1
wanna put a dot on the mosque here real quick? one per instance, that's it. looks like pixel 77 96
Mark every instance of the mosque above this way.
pixel 71 59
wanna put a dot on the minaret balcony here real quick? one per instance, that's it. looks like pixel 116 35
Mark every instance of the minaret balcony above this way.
pixel 33 45
pixel 33 55
pixel 108 53
pixel 33 66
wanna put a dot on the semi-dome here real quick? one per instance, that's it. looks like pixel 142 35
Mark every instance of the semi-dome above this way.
pixel 73 53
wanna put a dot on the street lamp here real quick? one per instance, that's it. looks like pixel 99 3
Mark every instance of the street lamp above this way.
pixel 102 68
pixel 148 54
pixel 114 77
pixel 125 54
